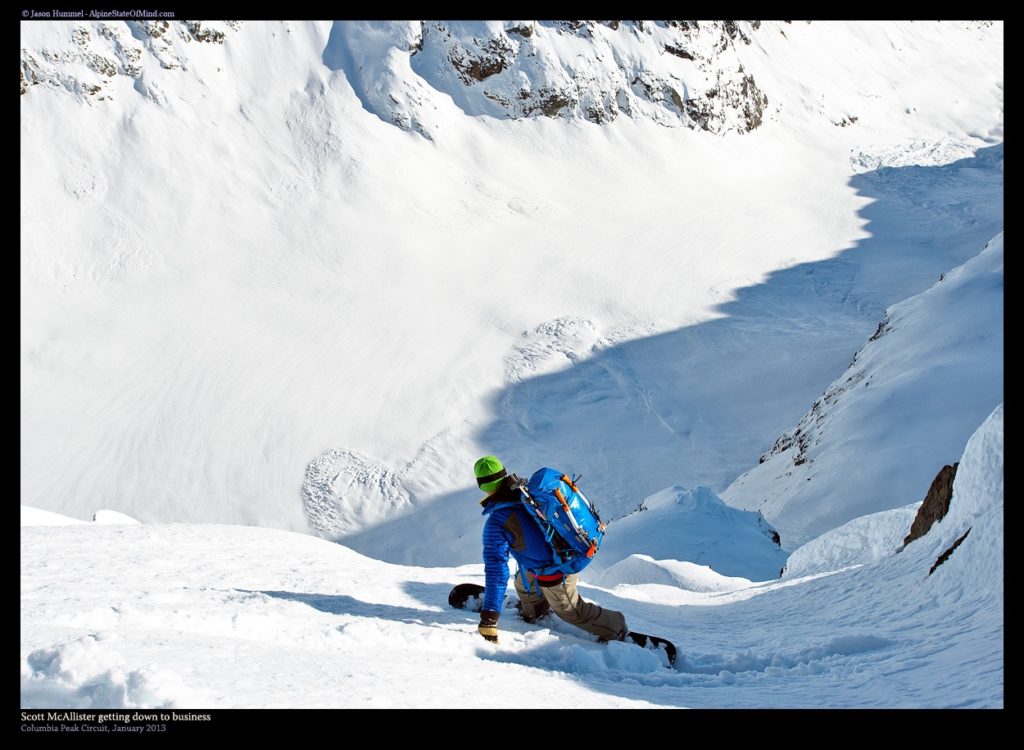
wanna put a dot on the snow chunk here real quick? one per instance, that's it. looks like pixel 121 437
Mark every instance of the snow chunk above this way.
pixel 87 673
pixel 345 490
pixel 112 517
pixel 689 525
pixel 861 541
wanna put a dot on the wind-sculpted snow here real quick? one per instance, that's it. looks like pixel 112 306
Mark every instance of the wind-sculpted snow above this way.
pixel 858 542
pixel 344 491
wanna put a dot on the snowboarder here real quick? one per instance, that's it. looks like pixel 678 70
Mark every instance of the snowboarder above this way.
pixel 508 530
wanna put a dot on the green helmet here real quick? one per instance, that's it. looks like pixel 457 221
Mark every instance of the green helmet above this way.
pixel 489 473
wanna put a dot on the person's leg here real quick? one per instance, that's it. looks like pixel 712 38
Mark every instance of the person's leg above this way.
pixel 533 603
pixel 566 602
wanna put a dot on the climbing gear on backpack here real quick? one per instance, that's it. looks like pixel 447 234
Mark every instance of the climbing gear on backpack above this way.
pixel 569 521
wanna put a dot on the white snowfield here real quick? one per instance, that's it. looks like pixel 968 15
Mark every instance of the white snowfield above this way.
pixel 282 283
pixel 263 304
pixel 209 615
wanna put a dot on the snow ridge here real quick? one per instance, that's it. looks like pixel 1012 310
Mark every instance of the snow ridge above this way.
pixel 879 433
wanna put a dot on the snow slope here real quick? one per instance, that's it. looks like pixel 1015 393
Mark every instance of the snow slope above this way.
pixel 860 541
pixel 264 304
pixel 240 616
pixel 903 409
pixel 300 275
pixel 35 517
pixel 692 525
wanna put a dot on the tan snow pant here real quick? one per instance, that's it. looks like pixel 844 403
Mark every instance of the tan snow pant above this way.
pixel 566 602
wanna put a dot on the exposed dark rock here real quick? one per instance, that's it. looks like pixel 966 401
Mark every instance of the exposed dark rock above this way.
pixel 195 28
pixel 674 97
pixel 678 52
pixel 582 29
pixel 552 104
pixel 935 505
pixel 882 329
pixel 497 98
pixel 945 555
pixel 417 46
pixel 783 443
pixel 734 30
pixel 155 29
pixel 699 113
pixel 754 102
pixel 526 30
pixel 495 58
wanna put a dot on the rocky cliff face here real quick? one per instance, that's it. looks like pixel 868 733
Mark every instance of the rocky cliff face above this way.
pixel 84 58
pixel 678 73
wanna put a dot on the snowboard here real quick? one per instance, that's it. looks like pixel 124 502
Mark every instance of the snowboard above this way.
pixel 471 596
pixel 467 596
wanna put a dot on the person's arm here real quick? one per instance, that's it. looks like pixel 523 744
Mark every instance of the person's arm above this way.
pixel 496 575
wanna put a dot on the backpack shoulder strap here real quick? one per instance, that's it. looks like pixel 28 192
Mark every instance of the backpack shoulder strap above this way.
pixel 517 484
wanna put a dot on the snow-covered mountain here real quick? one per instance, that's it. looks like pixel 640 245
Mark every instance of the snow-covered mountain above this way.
pixel 262 303
pixel 880 432
pixel 299 276
pixel 672 72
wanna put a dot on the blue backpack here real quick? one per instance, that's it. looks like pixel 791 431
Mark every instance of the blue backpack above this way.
pixel 569 522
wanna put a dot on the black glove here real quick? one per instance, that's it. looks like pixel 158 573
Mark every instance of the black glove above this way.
pixel 488 627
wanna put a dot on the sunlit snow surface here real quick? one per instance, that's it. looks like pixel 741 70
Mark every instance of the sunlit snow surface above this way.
pixel 291 280
pixel 206 615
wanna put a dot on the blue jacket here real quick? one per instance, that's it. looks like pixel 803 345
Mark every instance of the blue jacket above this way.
pixel 509 529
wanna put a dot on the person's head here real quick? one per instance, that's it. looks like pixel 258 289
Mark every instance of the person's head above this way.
pixel 489 474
